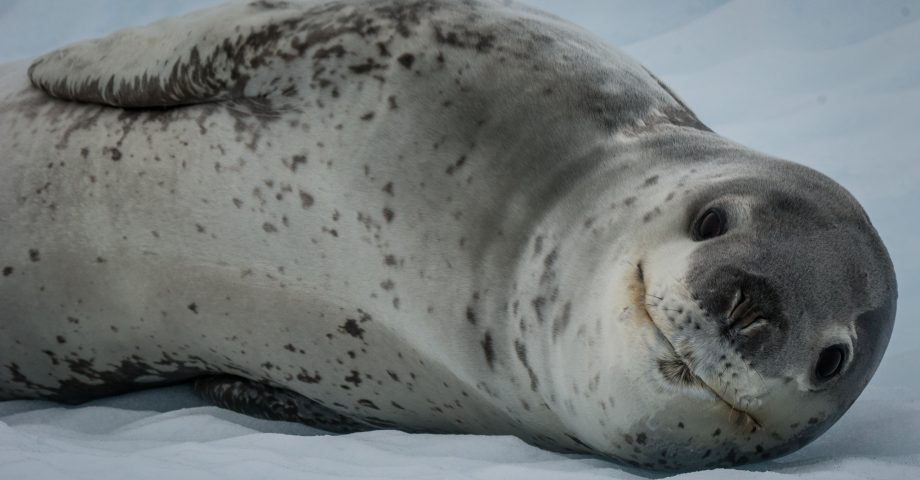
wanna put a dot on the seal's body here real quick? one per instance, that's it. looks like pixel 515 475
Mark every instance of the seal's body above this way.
pixel 435 216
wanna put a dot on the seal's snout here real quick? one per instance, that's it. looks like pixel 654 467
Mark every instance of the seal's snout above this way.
pixel 746 306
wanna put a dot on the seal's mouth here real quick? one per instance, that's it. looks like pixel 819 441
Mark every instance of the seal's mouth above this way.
pixel 676 368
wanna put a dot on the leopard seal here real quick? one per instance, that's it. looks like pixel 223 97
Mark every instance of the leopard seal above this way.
pixel 428 215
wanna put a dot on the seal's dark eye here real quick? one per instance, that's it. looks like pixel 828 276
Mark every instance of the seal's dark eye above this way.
pixel 830 362
pixel 710 224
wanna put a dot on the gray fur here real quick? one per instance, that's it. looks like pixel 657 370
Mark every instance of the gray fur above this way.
pixel 439 216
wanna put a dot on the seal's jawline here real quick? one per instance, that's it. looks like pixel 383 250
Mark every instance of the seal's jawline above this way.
pixel 699 381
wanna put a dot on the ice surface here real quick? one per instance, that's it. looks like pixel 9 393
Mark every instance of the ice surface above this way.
pixel 167 433
pixel 834 85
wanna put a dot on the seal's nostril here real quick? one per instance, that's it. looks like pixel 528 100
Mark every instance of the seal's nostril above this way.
pixel 743 313
pixel 749 321
pixel 740 300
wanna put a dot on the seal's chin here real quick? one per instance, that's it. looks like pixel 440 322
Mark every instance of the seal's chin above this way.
pixel 676 369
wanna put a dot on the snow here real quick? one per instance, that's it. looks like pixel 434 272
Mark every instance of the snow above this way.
pixel 831 84
pixel 169 433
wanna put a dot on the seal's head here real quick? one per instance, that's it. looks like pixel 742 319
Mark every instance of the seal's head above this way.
pixel 781 308
pixel 762 300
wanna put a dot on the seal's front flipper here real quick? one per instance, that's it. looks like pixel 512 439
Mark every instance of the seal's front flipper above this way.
pixel 263 401
pixel 231 52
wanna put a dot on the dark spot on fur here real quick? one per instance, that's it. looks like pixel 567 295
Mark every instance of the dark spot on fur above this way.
pixel 538 245
pixel 482 43
pixel 367 403
pixel 352 328
pixel 7 271
pixel 61 339
pixel 538 304
pixel 456 165
pixel 488 350
pixel 366 67
pixel 297 161
pixel 337 51
pixel 521 351
pixel 650 181
pixel 306 200
pixel 471 315
pixel 269 228
pixel 563 320
pixel 406 60
pixel 485 43
pixel 549 263
pixel 52 357
pixel 717 432
pixel 269 5
pixel 388 188
pixel 367 116
pixel 388 215
pixel 650 215
pixel 116 154
pixel 305 377
pixel 34 255
pixel 354 378
pixel 389 260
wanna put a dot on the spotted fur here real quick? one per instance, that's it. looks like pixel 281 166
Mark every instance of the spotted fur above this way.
pixel 431 215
